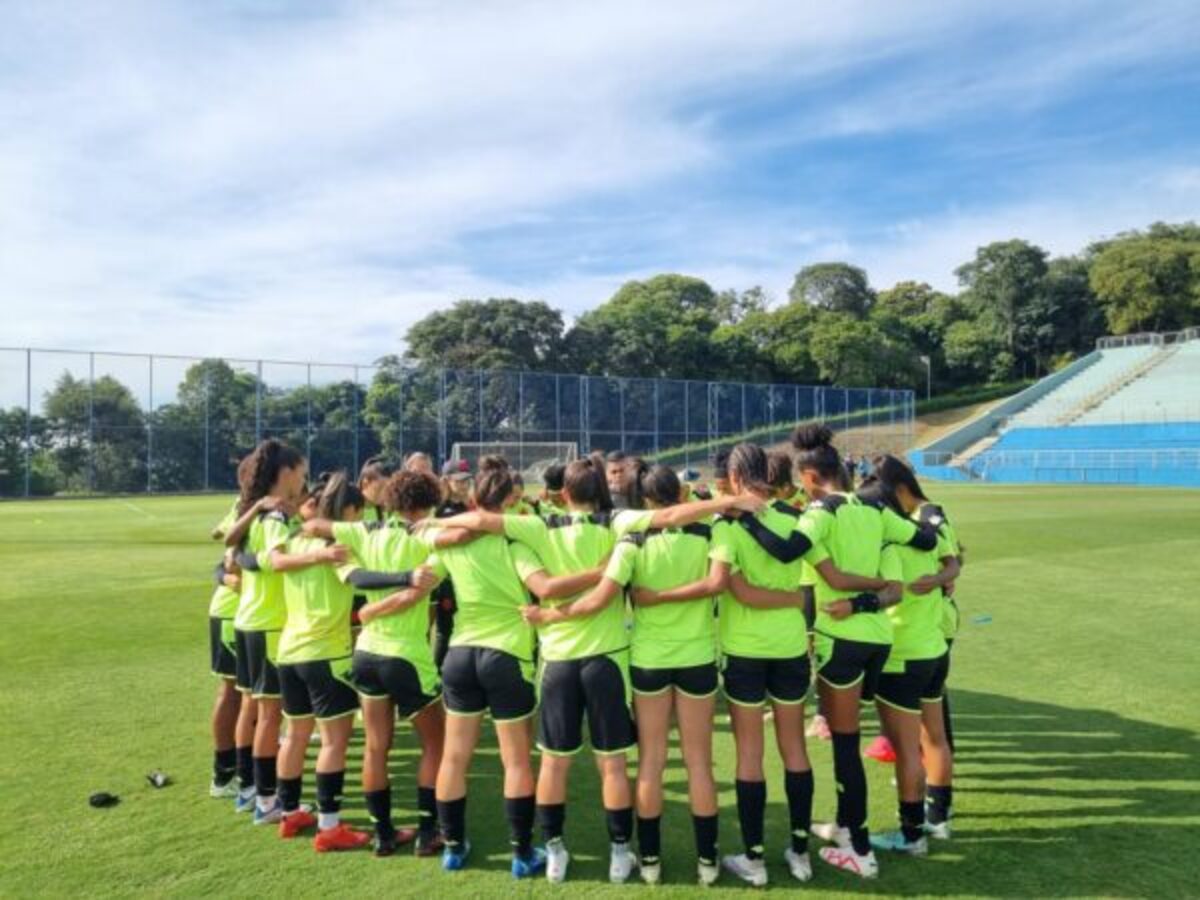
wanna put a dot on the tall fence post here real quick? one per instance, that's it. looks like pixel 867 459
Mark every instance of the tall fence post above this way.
pixel 150 430
pixel 557 408
pixel 91 477
pixel 687 421
pixel 28 420
pixel 621 404
pixel 207 427
pixel 657 441
pixel 353 418
pixel 308 426
pixel 441 416
pixel 258 402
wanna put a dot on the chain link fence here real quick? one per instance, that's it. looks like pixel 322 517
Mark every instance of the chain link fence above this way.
pixel 77 422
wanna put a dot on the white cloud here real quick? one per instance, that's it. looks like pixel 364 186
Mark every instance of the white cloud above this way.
pixel 178 178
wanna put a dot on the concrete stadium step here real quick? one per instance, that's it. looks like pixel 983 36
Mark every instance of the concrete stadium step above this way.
pixel 1119 382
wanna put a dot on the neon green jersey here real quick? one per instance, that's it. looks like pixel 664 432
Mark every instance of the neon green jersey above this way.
pixel 318 604
pixel 627 521
pixel 760 633
pixel 567 545
pixel 667 635
pixel 390 547
pixel 489 590
pixel 917 618
pixel 224 602
pixel 260 606
pixel 853 533
pixel 936 516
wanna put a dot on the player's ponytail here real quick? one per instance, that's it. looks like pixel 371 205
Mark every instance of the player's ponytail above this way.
pixel 584 484
pixel 633 482
pixel 815 452
pixel 337 495
pixel 260 470
pixel 748 464
pixel 660 485
pixel 493 483
pixel 893 472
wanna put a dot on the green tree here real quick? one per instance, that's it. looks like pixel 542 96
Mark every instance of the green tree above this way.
pixel 732 306
pixel 851 352
pixel 44 475
pixel 1149 281
pixel 974 353
pixel 101 448
pixel 1002 279
pixel 1063 319
pixel 489 334
pixel 834 286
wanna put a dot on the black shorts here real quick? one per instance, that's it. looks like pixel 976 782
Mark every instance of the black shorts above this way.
pixel 597 687
pixel 695 681
pixel 257 674
pixel 922 681
pixel 751 681
pixel 323 688
pixel 356 605
pixel 222 647
pixel 479 679
pixel 394 678
pixel 843 664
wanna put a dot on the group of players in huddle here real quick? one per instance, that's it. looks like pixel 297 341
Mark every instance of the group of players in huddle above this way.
pixel 442 600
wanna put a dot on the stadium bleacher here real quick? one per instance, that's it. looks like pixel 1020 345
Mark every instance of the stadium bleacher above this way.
pixel 1126 414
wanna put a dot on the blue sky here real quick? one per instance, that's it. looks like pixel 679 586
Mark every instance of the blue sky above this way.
pixel 304 180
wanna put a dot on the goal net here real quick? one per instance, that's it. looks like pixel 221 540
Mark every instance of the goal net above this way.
pixel 528 458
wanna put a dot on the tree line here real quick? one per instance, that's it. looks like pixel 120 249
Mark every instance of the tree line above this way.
pixel 1018 313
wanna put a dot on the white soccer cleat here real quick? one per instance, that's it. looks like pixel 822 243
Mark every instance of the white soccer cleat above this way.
pixel 557 859
pixel 651 872
pixel 847 860
pixel 939 832
pixel 798 864
pixel 751 871
pixel 224 791
pixel 621 863
pixel 707 873
pixel 832 832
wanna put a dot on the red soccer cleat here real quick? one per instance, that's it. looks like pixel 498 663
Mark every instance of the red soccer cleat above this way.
pixel 881 750
pixel 340 837
pixel 295 822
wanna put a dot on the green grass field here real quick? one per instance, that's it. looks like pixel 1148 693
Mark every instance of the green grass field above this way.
pixel 1076 715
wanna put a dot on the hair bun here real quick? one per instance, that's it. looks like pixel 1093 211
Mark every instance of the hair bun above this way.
pixel 812 436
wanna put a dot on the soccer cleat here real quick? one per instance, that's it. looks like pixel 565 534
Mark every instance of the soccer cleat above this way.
pixel 651 872
pixel 819 728
pixel 269 816
pixel 707 873
pixel 424 845
pixel 896 842
pixel 454 859
pixel 243 800
pixel 223 791
pixel 295 822
pixel 881 750
pixel 529 866
pixel 798 864
pixel 940 831
pixel 751 871
pixel 557 859
pixel 340 837
pixel 621 863
pixel 832 832
pixel 847 860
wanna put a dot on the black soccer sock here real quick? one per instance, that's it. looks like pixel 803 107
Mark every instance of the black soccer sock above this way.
pixel 551 817
pixel 704 828
pixel 289 792
pixel 620 824
pixel 649 839
pixel 940 800
pixel 427 812
pixel 329 791
pixel 912 820
pixel 264 775
pixel 799 787
pixel 519 811
pixel 245 767
pixel 751 807
pixel 946 726
pixel 452 815
pixel 379 808
pixel 224 766
pixel 852 790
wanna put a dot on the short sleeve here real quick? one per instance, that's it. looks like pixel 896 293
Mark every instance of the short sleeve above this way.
pixel 530 531
pixel 947 532
pixel 815 524
pixel 890 568
pixel 723 548
pixel 627 521
pixel 945 546
pixel 622 562
pixel 343 571
pixel 896 529
pixel 276 532
pixel 815 556
pixel 352 535
pixel 525 561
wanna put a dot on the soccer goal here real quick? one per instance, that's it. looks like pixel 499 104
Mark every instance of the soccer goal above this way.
pixel 528 458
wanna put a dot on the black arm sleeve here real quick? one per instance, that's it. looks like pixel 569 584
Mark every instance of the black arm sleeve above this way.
pixel 366 579
pixel 810 606
pixel 219 573
pixel 925 537
pixel 247 561
pixel 786 550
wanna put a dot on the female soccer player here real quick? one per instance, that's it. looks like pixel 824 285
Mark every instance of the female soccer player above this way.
pixel 274 473
pixel 490 668
pixel 393 666
pixel 314 668
pixel 904 491
pixel 221 610
pixel 372 477
pixel 853 634
pixel 550 502
pixel 586 661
